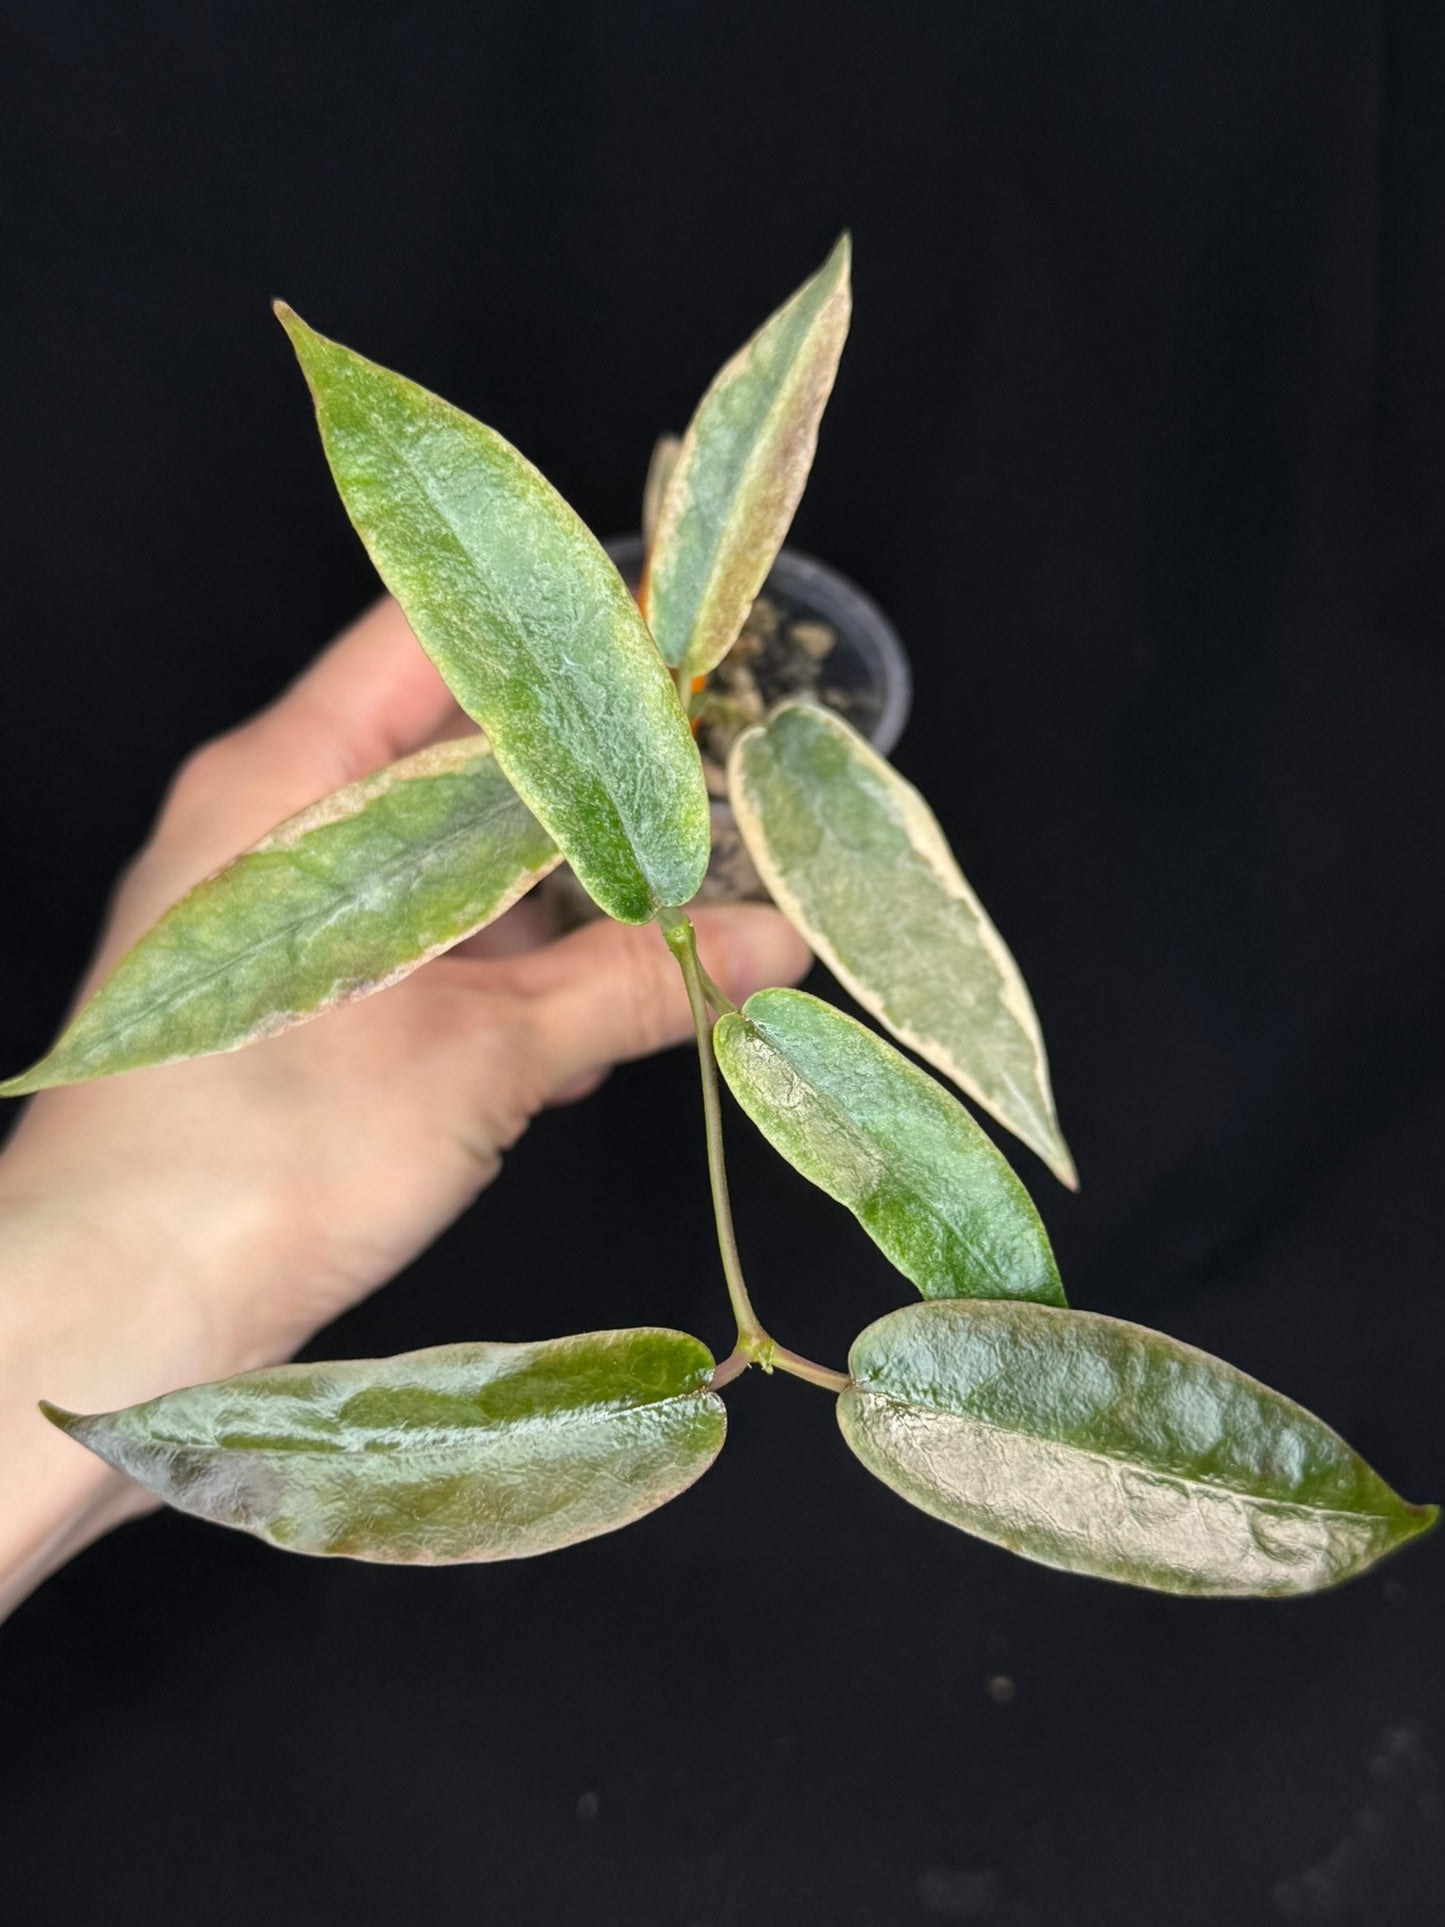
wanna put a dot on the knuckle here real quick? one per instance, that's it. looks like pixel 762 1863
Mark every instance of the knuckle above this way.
pixel 517 1086
pixel 652 987
pixel 131 883
pixel 205 770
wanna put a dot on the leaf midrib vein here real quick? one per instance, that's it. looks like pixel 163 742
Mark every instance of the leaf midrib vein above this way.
pixel 539 663
pixel 491 1434
pixel 1113 1458
pixel 850 1130
pixel 281 933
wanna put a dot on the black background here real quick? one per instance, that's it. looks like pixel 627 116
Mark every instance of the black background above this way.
pixel 1138 438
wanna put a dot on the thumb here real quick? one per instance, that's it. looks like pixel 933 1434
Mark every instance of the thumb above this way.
pixel 610 992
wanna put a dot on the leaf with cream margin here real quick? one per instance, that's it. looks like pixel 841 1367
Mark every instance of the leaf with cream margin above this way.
pixel 343 900
pixel 528 622
pixel 855 858
pixel 882 1137
pixel 741 471
pixel 448 1456
pixel 1102 1448
pixel 664 460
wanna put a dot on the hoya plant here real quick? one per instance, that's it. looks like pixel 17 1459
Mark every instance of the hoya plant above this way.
pixel 1071 1438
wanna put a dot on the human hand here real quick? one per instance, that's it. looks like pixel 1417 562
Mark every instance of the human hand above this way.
pixel 179 1224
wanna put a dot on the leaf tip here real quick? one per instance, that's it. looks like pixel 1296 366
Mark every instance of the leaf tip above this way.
pixel 303 339
pixel 1046 1141
pixel 94 1430
pixel 295 327
pixel 24 1082
pixel 835 278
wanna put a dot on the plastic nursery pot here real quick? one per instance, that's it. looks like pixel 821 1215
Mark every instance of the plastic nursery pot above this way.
pixel 812 633
pixel 867 665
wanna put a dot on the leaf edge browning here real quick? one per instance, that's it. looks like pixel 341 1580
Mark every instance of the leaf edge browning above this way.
pixel 1052 1152
pixel 833 320
pixel 341 805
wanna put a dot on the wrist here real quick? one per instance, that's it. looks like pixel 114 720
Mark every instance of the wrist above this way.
pixel 100 1307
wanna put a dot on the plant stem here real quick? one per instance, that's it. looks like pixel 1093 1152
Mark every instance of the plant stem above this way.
pixel 719 999
pixel 755 1346
pixel 682 942
pixel 793 1362
pixel 733 1366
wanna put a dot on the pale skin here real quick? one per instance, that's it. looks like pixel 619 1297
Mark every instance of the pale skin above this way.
pixel 180 1224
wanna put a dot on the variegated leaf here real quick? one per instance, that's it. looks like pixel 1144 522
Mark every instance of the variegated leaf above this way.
pixel 1101 1447
pixel 440 1457
pixel 884 1138
pixel 529 623
pixel 659 469
pixel 338 902
pixel 856 859
pixel 741 471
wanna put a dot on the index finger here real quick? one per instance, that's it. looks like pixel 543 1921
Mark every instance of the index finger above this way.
pixel 371 697
pixel 367 700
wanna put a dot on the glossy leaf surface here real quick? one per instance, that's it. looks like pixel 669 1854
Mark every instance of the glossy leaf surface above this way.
pixel 1103 1448
pixel 457 1454
pixel 741 471
pixel 882 1137
pixel 343 900
pixel 526 618
pixel 856 859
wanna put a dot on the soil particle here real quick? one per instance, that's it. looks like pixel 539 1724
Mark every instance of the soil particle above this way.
pixel 777 655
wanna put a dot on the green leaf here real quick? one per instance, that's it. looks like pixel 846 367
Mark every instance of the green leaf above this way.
pixel 340 901
pixel 879 1135
pixel 659 469
pixel 855 858
pixel 529 623
pixel 741 471
pixel 460 1453
pixel 1102 1448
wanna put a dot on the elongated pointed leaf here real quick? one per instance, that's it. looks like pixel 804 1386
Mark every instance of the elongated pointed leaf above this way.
pixel 855 857
pixel 882 1137
pixel 741 471
pixel 342 900
pixel 1097 1446
pixel 659 471
pixel 457 1454
pixel 530 624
